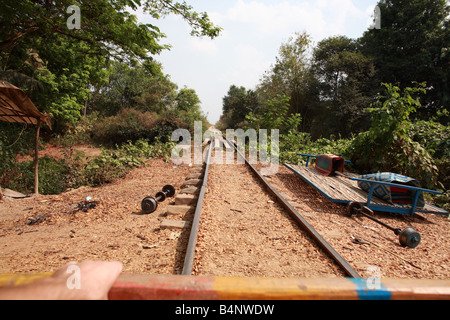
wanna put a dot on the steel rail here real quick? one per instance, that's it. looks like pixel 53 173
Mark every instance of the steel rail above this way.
pixel 350 271
pixel 190 251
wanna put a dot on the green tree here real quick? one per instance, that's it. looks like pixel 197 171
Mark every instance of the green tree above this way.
pixel 187 100
pixel 347 85
pixel 413 45
pixel 133 87
pixel 237 104
pixel 36 43
pixel 188 109
pixel 274 114
pixel 388 145
pixel 107 26
pixel 290 76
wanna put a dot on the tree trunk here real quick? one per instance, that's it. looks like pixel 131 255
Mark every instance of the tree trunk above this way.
pixel 36 158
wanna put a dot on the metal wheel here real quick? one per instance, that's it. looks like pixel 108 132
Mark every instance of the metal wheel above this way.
pixel 149 205
pixel 409 237
pixel 169 190
pixel 354 208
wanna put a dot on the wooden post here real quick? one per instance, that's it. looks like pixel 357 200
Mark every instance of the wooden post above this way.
pixel 1 194
pixel 36 158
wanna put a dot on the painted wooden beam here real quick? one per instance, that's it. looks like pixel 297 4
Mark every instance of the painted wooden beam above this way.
pixel 177 287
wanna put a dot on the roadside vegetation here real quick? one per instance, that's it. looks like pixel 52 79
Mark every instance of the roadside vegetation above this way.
pixel 381 101
pixel 100 84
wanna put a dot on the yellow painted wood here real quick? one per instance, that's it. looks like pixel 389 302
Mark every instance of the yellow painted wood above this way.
pixel 21 279
pixel 284 289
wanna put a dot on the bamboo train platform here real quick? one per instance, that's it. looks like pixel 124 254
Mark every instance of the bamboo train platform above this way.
pixel 344 190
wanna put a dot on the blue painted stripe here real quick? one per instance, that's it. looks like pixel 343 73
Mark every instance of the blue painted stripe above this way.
pixel 364 293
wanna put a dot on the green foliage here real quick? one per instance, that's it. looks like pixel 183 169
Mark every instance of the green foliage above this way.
pixel 237 104
pixel 107 26
pixel 387 146
pixel 187 111
pixel 346 82
pixel 187 100
pixel 15 140
pixel 200 23
pixel 301 142
pixel 133 87
pixel 128 125
pixel 291 76
pixel 133 125
pixel 79 134
pixel 274 115
pixel 435 137
pixel 412 45
pixel 113 164
pixel 52 175
pixel 57 66
pixel 75 170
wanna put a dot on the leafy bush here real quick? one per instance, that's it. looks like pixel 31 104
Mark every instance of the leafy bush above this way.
pixel 274 114
pixel 433 136
pixel 51 172
pixel 15 139
pixel 115 164
pixel 301 142
pixel 133 125
pixel 78 134
pixel 128 125
pixel 75 170
pixel 388 146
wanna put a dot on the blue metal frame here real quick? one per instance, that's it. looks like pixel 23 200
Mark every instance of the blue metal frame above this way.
pixel 398 208
pixel 405 210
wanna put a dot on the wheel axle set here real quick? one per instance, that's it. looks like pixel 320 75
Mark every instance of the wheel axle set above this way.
pixel 150 204
pixel 408 237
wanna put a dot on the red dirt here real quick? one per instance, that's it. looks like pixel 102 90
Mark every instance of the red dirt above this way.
pixel 115 229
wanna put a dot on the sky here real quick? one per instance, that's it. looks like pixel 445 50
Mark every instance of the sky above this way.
pixel 253 31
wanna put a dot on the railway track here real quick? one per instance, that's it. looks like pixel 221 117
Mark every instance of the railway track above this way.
pixel 243 226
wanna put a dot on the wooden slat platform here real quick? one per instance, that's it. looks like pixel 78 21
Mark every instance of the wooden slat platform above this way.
pixel 344 190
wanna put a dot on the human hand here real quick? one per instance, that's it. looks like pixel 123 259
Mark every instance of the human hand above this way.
pixel 89 280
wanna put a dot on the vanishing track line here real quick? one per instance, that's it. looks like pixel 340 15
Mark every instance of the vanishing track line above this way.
pixel 243 227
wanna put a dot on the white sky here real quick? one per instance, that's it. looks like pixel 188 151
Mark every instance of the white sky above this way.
pixel 253 32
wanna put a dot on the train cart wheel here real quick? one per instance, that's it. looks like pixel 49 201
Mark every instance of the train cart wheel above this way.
pixel 169 190
pixel 409 237
pixel 354 208
pixel 149 205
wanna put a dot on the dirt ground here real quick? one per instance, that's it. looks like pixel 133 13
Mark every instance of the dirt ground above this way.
pixel 59 153
pixel 382 250
pixel 245 233
pixel 40 234
pixel 114 230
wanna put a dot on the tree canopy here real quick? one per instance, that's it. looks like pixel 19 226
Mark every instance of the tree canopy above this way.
pixel 413 45
pixel 331 83
pixel 57 65
pixel 381 100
